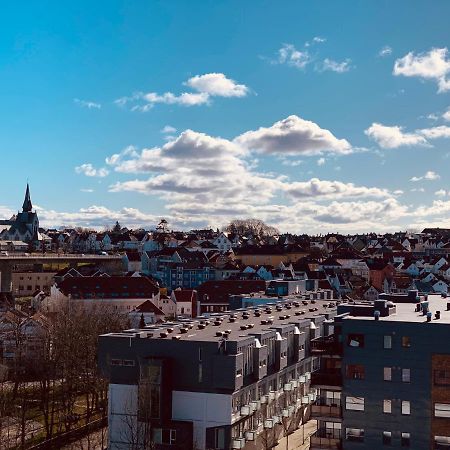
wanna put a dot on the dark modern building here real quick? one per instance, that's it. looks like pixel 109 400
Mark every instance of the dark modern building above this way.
pixel 387 371
pixel 232 380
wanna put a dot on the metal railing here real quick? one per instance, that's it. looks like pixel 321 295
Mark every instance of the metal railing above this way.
pixel 326 439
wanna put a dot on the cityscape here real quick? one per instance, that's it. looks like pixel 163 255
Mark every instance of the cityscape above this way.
pixel 225 225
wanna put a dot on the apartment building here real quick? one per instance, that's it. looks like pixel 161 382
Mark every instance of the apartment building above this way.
pixel 387 373
pixel 234 380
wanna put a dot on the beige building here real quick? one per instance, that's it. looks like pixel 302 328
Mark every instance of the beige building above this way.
pixel 26 283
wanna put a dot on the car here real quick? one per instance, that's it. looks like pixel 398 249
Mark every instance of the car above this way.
pixel 4 254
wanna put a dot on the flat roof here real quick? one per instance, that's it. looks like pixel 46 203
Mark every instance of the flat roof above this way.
pixel 292 310
pixel 405 312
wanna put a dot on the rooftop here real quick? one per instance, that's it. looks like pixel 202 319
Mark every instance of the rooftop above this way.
pixel 406 312
pixel 238 324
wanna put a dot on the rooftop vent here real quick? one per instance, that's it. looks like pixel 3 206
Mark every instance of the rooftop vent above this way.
pixel 201 326
pixel 163 334
pixel 177 338
pixel 183 330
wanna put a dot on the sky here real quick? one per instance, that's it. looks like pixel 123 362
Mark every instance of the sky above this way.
pixel 315 117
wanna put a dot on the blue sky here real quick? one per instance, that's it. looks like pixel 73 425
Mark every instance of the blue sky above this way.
pixel 313 116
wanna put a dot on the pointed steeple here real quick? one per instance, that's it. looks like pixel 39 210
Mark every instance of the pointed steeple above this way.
pixel 27 205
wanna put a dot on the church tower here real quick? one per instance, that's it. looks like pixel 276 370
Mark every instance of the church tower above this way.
pixel 27 205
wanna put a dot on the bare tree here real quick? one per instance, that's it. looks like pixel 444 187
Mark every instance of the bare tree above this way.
pixel 254 227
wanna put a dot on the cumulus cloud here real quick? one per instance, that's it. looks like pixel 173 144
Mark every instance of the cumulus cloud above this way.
pixel 321 161
pixel 432 65
pixel 324 189
pixel 429 176
pixel 441 193
pixel 168 129
pixel 87 104
pixel 206 86
pixel 90 171
pixel 385 51
pixel 294 135
pixel 393 136
pixel 446 115
pixel 334 66
pixel 436 132
pixel 217 84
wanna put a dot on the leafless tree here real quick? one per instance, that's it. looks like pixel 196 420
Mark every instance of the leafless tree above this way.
pixel 254 227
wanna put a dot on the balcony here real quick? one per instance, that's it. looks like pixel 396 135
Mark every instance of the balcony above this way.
pixel 326 439
pixel 326 345
pixel 327 377
pixel 326 411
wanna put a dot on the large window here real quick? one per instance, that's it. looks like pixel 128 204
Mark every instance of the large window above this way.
pixel 355 340
pixel 150 393
pixel 387 341
pixel 387 373
pixel 441 410
pixel 406 341
pixel 406 407
pixel 354 434
pixel 405 439
pixel 387 438
pixel 355 372
pixel 387 406
pixel 442 377
pixel 406 375
pixel 219 438
pixel 354 403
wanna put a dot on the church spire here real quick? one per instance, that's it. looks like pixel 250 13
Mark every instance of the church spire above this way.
pixel 27 205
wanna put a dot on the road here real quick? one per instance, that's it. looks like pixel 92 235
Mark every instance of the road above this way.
pixel 296 438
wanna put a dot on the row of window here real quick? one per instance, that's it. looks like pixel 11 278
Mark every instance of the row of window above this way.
pixel 358 372
pixel 357 435
pixel 357 340
pixel 358 404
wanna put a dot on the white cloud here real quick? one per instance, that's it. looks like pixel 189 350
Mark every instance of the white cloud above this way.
pixel 430 176
pixel 90 171
pixel 441 193
pixel 446 115
pixel 294 135
pixel 290 56
pixel 323 189
pixel 217 84
pixel 319 39
pixel 207 86
pixel 87 104
pixel 393 136
pixel 436 132
pixel 87 190
pixel 385 51
pixel 417 190
pixel 168 129
pixel 334 66
pixel 321 161
pixel 432 65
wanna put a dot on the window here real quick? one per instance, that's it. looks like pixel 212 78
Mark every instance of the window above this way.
pixel 387 373
pixel 406 375
pixel 442 377
pixel 354 434
pixel 405 439
pixel 387 341
pixel 441 442
pixel 406 341
pixel 219 438
pixel 354 403
pixel 355 372
pixel 128 362
pixel 387 438
pixel 355 340
pixel 406 407
pixel 387 406
pixel 200 372
pixel 441 410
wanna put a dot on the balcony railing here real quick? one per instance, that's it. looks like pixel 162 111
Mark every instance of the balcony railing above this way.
pixel 327 377
pixel 326 411
pixel 326 345
pixel 326 439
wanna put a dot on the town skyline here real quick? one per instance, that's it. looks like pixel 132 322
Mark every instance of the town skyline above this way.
pixel 312 128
